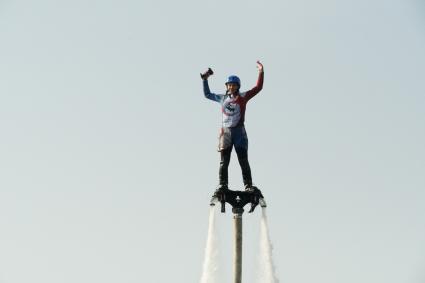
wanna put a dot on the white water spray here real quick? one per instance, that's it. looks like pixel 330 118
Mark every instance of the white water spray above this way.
pixel 210 267
pixel 267 272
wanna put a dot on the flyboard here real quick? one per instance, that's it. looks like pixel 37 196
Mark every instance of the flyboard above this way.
pixel 238 199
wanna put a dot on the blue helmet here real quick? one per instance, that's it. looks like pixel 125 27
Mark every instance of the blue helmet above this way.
pixel 234 79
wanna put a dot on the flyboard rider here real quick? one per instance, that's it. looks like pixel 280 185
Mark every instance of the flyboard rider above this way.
pixel 232 133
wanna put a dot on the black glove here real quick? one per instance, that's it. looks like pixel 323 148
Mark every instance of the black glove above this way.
pixel 208 73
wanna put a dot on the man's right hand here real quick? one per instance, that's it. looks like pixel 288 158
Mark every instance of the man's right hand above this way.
pixel 208 73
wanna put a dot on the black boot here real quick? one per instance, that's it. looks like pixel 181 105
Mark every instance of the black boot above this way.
pixel 246 172
pixel 246 169
pixel 249 188
pixel 223 176
pixel 221 188
pixel 224 167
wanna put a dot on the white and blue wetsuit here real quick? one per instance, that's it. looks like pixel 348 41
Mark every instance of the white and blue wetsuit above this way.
pixel 233 130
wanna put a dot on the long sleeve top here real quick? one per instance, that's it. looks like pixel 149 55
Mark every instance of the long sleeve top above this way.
pixel 234 106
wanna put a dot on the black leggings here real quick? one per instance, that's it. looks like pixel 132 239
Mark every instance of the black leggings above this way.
pixel 242 154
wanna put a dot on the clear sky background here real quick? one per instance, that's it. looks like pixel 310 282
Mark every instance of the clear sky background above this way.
pixel 108 147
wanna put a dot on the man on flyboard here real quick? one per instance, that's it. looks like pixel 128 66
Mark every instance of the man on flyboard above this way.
pixel 232 133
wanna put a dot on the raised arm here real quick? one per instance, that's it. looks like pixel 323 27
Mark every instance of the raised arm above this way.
pixel 259 86
pixel 207 93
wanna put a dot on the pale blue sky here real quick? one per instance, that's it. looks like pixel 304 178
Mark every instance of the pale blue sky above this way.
pixel 108 147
